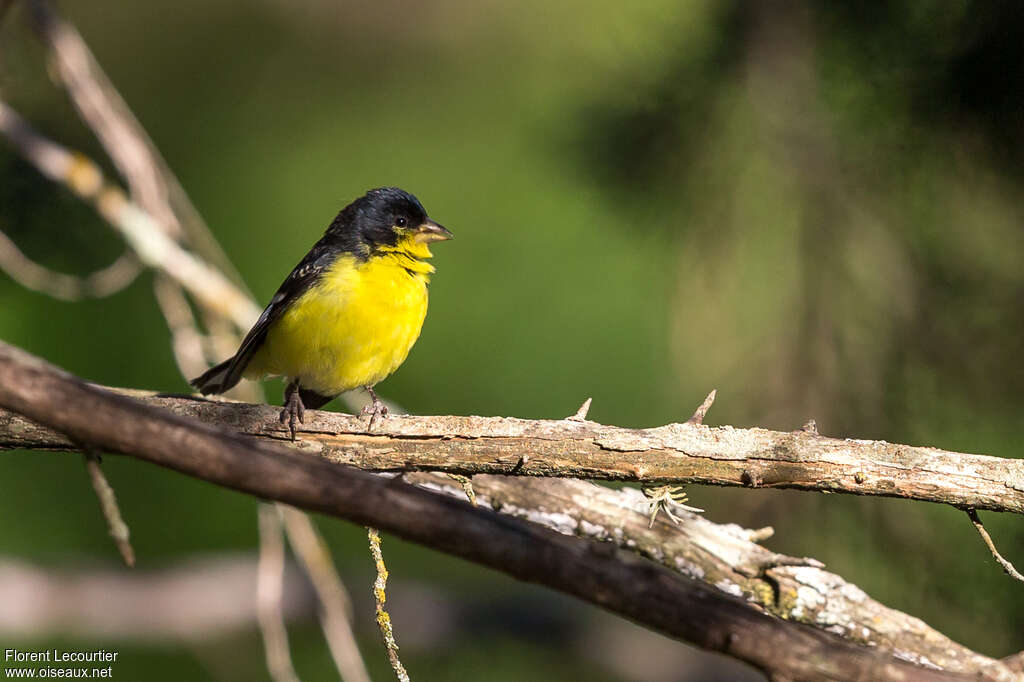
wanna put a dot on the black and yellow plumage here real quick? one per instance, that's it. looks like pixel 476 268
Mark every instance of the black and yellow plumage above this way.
pixel 348 314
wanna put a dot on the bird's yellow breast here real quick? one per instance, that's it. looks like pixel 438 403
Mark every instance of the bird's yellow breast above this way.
pixel 354 327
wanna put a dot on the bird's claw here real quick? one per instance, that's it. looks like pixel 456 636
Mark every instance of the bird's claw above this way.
pixel 294 412
pixel 376 410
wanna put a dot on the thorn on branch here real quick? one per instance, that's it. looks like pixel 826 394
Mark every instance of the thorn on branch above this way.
pixel 1008 568
pixel 108 504
pixel 581 414
pixel 698 415
pixel 380 596
pixel 663 497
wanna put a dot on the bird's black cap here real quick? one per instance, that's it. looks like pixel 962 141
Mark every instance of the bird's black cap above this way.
pixel 378 217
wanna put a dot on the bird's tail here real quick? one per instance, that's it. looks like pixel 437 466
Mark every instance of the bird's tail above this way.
pixel 216 379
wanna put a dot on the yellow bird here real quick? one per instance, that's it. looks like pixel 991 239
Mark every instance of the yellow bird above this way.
pixel 348 314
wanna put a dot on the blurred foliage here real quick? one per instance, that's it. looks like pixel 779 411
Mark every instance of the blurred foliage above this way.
pixel 814 207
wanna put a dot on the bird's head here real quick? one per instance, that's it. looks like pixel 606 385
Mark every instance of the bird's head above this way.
pixel 388 219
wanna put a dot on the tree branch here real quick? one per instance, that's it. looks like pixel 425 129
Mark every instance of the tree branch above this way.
pixel 675 453
pixel 600 573
pixel 726 556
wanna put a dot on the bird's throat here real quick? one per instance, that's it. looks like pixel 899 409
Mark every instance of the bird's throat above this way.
pixel 407 253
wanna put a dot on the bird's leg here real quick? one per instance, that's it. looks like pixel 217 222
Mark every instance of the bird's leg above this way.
pixel 376 409
pixel 294 411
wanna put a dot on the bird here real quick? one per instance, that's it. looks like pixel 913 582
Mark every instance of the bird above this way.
pixel 348 314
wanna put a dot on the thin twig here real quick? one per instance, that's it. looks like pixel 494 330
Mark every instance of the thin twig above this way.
pixel 268 596
pixel 335 616
pixel 31 275
pixel 380 596
pixel 467 486
pixel 1007 566
pixel 108 504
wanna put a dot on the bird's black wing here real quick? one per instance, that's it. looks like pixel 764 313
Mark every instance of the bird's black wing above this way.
pixel 306 274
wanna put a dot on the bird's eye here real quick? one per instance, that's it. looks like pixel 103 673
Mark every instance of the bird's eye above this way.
pixel 400 222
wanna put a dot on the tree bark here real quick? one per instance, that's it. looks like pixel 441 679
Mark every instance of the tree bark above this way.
pixel 570 448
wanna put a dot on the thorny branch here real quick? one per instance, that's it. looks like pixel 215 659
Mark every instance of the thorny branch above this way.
pixel 609 576
pixel 671 454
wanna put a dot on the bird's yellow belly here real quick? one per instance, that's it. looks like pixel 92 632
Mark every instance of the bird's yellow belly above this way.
pixel 354 328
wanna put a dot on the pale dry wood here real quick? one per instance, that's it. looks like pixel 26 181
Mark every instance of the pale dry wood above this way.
pixel 675 453
pixel 726 556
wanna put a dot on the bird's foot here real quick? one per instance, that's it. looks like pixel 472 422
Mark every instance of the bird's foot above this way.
pixel 294 412
pixel 376 410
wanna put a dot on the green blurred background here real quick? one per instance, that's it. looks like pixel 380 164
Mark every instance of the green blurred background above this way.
pixel 812 208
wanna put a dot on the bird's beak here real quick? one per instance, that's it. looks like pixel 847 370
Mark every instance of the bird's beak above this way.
pixel 430 231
